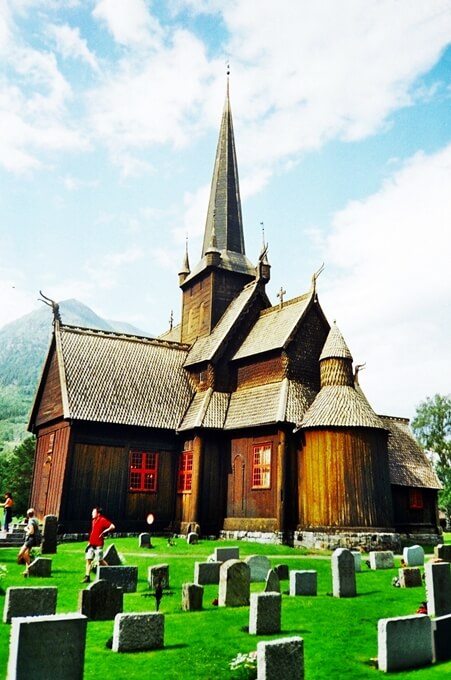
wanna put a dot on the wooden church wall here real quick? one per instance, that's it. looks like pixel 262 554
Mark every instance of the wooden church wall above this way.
pixel 343 479
pixel 51 403
pixel 261 372
pixel 212 503
pixel 49 469
pixel 305 350
pixel 408 518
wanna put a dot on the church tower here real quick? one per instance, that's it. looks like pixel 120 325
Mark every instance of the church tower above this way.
pixel 224 269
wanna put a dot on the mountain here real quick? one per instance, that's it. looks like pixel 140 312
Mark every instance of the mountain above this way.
pixel 23 347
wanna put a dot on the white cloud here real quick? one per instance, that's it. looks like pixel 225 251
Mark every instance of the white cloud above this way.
pixel 129 22
pixel 71 45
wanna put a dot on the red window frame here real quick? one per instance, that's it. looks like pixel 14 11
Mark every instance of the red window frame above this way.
pixel 185 472
pixel 261 466
pixel 143 471
pixel 416 500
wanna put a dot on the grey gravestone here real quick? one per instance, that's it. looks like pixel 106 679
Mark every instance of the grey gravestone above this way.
pixel 357 560
pixel 413 556
pixel 158 574
pixel 382 559
pixel 138 632
pixel 144 540
pixel 259 566
pixel 282 571
pixel 192 538
pixel 234 584
pixel 272 583
pixel 43 647
pixel 343 573
pixel 121 577
pixel 101 601
pixel 441 637
pixel 41 566
pixel 34 601
pixel 192 597
pixel 410 577
pixel 111 556
pixel 283 658
pixel 206 572
pixel 49 535
pixel 404 642
pixel 265 613
pixel 303 582
pixel 438 588
pixel 443 552
pixel 224 554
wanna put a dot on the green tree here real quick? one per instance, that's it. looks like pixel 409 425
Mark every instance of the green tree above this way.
pixel 432 428
pixel 16 474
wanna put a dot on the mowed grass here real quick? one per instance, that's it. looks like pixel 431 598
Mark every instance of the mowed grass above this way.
pixel 340 635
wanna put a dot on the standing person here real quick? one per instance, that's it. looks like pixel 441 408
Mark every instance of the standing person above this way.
pixel 32 539
pixel 94 550
pixel 8 505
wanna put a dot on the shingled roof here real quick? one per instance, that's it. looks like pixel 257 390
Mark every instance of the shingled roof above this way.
pixel 407 461
pixel 340 406
pixel 113 378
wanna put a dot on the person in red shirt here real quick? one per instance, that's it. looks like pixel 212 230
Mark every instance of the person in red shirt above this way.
pixel 94 550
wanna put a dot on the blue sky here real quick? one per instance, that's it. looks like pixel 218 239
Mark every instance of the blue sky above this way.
pixel 110 110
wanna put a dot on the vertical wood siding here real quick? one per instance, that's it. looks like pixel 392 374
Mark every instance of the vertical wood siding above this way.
pixel 51 404
pixel 49 469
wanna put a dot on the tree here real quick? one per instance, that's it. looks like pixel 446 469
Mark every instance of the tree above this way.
pixel 16 474
pixel 432 428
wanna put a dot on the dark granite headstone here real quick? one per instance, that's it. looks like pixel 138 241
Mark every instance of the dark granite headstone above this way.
pixel 101 601
pixel 49 535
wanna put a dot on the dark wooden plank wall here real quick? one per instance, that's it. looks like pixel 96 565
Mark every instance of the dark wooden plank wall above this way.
pixel 261 372
pixel 49 469
pixel 305 349
pixel 51 403
pixel 410 519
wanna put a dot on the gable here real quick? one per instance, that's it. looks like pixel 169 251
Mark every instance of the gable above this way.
pixel 49 404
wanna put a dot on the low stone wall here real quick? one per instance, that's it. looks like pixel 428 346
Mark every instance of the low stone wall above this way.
pixel 269 537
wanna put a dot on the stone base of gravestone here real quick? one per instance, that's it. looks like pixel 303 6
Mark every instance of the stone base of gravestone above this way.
pixel 413 556
pixel 43 647
pixel 259 566
pixel 49 535
pixel 101 601
pixel 404 643
pixel 112 557
pixel 357 560
pixel 303 582
pixel 144 540
pixel 192 597
pixel 206 572
pixel 29 601
pixel 192 538
pixel 225 554
pixel 234 584
pixel 272 583
pixel 382 559
pixel 158 574
pixel 265 613
pixel 282 571
pixel 41 566
pixel 121 577
pixel 443 552
pixel 343 573
pixel 410 577
pixel 138 632
pixel 283 658
pixel 438 588
pixel 441 636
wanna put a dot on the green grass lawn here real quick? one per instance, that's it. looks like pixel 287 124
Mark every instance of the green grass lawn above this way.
pixel 340 635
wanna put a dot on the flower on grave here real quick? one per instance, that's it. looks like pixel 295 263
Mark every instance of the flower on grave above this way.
pixel 244 666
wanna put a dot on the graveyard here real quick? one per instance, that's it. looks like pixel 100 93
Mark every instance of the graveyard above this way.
pixel 199 629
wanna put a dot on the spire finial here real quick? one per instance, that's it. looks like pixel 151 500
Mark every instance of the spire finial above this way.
pixel 171 319
pixel 54 305
pixel 315 277
pixel 280 295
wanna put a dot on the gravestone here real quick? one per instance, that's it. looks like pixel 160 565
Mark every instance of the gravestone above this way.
pixel 438 588
pixel 413 556
pixel 441 637
pixel 192 538
pixel 357 560
pixel 101 601
pixel 43 647
pixel 282 571
pixel 234 584
pixel 49 535
pixel 206 572
pixel 443 552
pixel 29 601
pixel 303 582
pixel 121 577
pixel 404 642
pixel 382 559
pixel 282 658
pixel 192 597
pixel 259 566
pixel 144 540
pixel 41 566
pixel 409 577
pixel 158 574
pixel 112 557
pixel 343 573
pixel 138 632
pixel 265 613
pixel 272 583
pixel 224 554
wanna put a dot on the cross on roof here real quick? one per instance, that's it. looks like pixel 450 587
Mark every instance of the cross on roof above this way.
pixel 280 295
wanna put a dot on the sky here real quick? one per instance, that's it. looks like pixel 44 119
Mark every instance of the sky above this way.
pixel 109 118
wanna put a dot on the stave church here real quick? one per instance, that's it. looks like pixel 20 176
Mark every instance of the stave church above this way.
pixel 245 421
